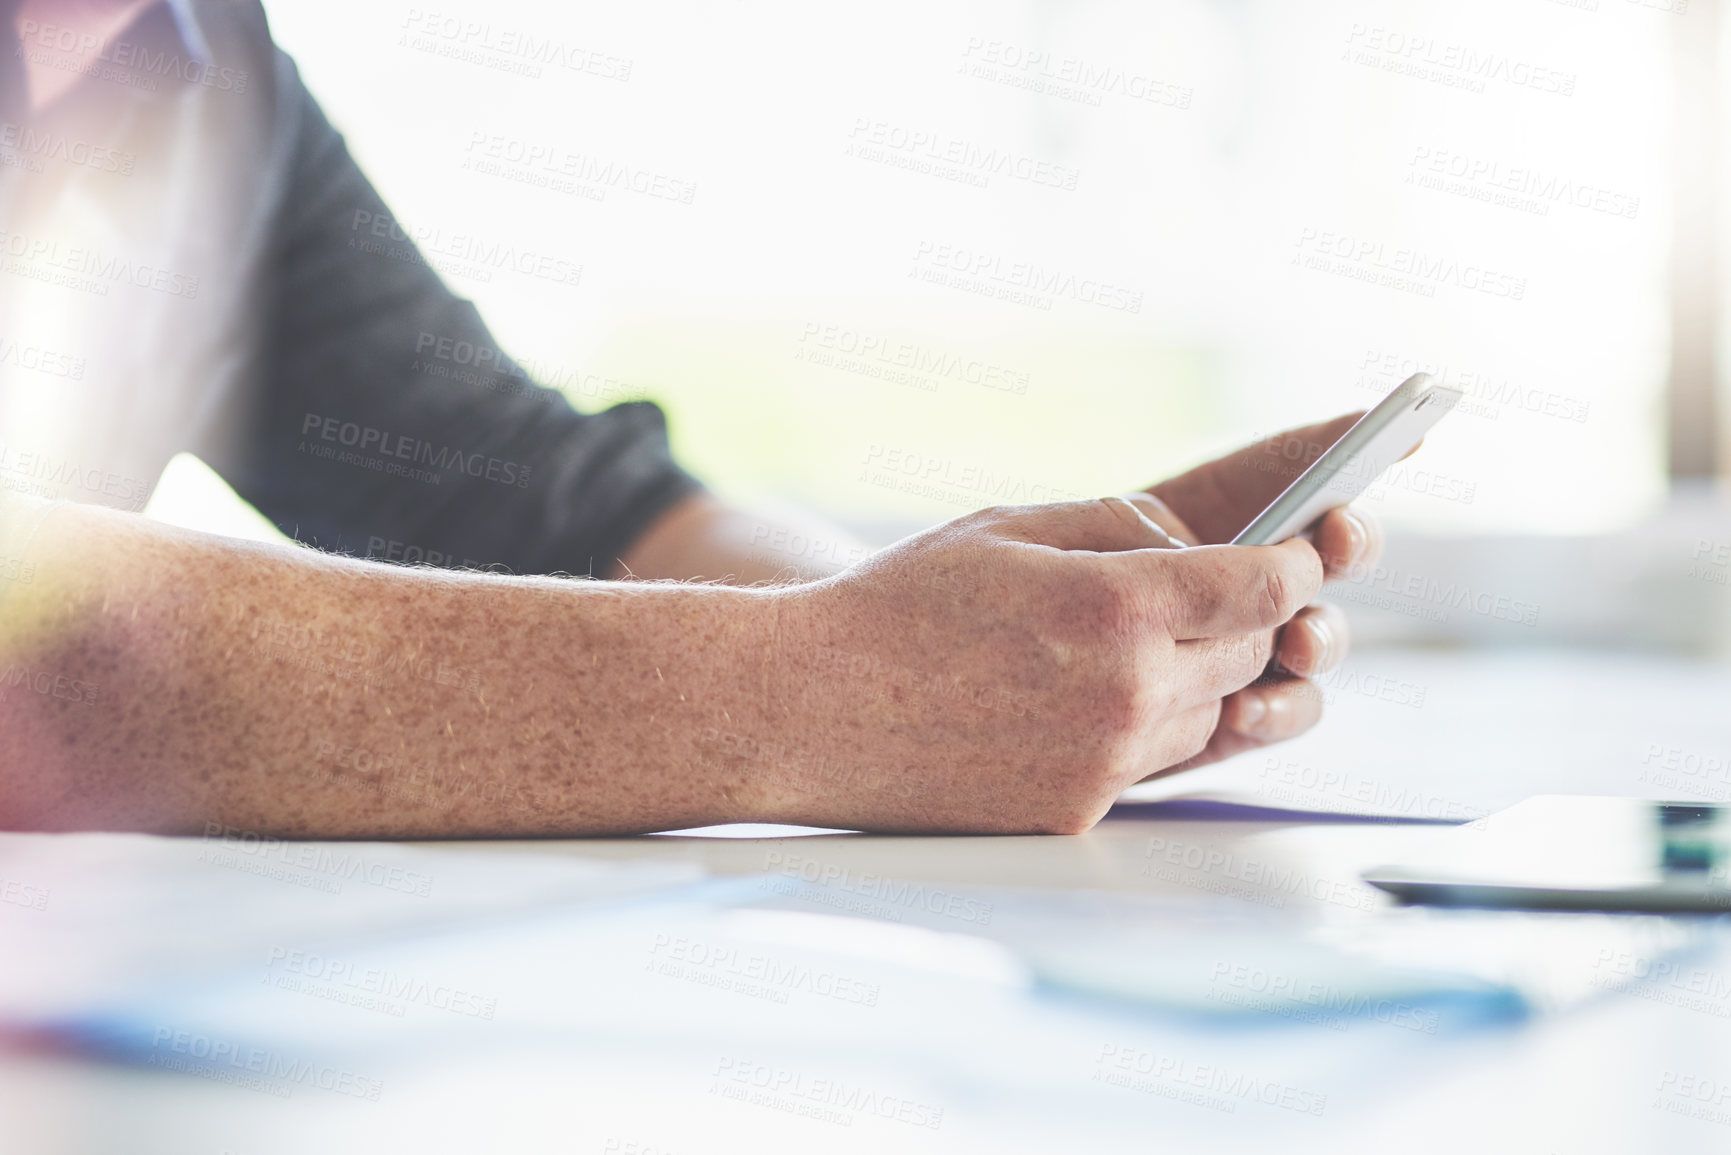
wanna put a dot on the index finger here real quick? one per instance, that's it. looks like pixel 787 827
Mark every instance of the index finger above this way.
pixel 1219 591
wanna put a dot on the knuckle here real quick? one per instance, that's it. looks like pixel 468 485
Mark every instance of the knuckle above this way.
pixel 1287 585
pixel 1124 700
pixel 1117 507
pixel 1255 652
pixel 991 517
pixel 1185 590
pixel 1274 599
pixel 1146 503
pixel 1263 645
pixel 1122 514
pixel 1236 662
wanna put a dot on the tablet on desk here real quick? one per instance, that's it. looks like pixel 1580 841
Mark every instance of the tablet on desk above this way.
pixel 1576 852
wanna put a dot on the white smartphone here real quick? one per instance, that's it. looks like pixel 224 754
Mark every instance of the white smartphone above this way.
pixel 1376 441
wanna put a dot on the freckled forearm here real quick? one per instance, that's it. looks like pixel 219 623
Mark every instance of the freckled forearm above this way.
pixel 704 539
pixel 157 680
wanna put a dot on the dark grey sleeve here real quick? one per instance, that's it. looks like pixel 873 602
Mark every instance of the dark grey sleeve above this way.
pixel 390 425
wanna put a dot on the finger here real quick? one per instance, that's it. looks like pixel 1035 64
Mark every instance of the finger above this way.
pixel 1270 713
pixel 1182 737
pixel 1161 514
pixel 1349 541
pixel 1222 744
pixel 1314 641
pixel 1104 525
pixel 1211 668
pixel 1221 497
pixel 1218 591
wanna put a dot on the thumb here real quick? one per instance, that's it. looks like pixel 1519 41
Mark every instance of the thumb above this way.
pixel 1103 525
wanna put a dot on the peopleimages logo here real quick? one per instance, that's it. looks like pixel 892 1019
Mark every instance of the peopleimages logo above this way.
pixel 38 359
pixel 879 888
pixel 465 254
pixel 724 967
pixel 1527 188
pixel 1400 267
pixel 1452 65
pixel 1022 282
pixel 49 685
pixel 366 439
pixel 42 144
pixel 829 1100
pixel 901 362
pixel 86 269
pixel 342 977
pixel 33 34
pixel 1066 77
pixel 258 1068
pixel 1200 1084
pixel 931 152
pixel 45 475
pixel 337 866
pixel 501 46
pixel 550 165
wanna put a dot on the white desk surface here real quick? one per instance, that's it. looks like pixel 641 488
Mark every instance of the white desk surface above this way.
pixel 623 1030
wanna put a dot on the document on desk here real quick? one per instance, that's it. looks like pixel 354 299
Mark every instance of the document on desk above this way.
pixel 1456 736
pixel 89 920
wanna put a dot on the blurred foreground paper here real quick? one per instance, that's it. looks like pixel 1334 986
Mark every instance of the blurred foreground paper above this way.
pixel 94 919
pixel 1419 969
pixel 1217 962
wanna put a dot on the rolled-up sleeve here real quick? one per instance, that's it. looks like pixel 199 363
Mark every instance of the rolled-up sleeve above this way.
pixel 390 425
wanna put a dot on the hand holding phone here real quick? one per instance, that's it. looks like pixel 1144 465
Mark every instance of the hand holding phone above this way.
pixel 1376 441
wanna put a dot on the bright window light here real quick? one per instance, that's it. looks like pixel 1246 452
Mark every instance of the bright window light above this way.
pixel 902 260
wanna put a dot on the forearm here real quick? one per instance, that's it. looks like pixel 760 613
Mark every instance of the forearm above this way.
pixel 705 539
pixel 152 679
